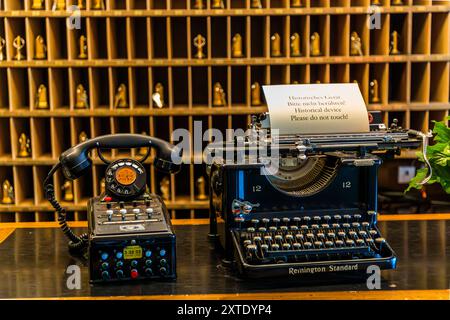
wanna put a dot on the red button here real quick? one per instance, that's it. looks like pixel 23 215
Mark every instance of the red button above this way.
pixel 107 199
pixel 134 274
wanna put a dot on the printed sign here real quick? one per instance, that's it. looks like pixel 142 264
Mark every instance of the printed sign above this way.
pixel 316 108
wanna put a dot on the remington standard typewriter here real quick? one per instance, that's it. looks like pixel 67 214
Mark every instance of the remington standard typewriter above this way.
pixel 316 214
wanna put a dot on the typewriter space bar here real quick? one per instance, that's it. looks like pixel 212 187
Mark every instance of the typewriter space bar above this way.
pixel 338 251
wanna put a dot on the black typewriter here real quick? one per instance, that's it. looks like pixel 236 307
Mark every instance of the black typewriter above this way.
pixel 316 214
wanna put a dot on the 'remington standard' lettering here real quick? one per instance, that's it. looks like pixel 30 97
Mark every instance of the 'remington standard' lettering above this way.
pixel 330 268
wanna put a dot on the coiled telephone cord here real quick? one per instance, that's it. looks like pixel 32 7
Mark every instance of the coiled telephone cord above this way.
pixel 76 242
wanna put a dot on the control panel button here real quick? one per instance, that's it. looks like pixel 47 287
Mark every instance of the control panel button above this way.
pixel 134 274
pixel 119 264
pixel 163 271
pixel 105 265
pixel 134 263
pixel 163 262
pixel 105 275
pixel 148 262
pixel 105 255
pixel 119 274
pixel 148 253
pixel 123 211
pixel 119 255
pixel 149 272
pixel 162 253
pixel 149 211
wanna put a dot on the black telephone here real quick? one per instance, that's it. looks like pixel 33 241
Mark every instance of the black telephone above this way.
pixel 129 235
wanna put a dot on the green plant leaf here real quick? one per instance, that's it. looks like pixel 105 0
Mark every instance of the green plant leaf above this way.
pixel 415 182
pixel 439 157
pixel 441 131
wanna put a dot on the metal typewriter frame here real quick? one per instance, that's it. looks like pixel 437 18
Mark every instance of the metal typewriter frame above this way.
pixel 366 149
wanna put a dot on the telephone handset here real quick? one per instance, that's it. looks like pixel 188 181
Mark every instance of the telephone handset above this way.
pixel 125 178
pixel 75 161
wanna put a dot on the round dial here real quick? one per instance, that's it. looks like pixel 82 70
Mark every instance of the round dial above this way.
pixel 125 179
pixel 126 175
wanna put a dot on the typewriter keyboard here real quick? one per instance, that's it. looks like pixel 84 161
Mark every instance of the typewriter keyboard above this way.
pixel 309 238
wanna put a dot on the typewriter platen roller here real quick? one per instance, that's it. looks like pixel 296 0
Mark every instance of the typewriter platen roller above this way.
pixel 316 214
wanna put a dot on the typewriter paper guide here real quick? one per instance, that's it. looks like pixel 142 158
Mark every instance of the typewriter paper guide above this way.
pixel 316 108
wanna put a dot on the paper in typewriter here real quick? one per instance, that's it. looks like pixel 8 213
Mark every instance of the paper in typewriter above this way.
pixel 316 108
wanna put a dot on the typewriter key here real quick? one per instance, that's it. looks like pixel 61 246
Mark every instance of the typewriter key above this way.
pixel 278 238
pixel 320 235
pixel 264 247
pixel 247 243
pixel 307 219
pixel 316 218
pixel 362 233
pixel 286 220
pixel 299 236
pixel 276 220
pixel 339 243
pixel 336 225
pixel 265 220
pixel 286 246
pixel 294 228
pixel 347 217
pixel 255 222
pixel 315 226
pixel 346 225
pixel 326 218
pixel 268 238
pixel 355 225
pixel 341 234
pixel 380 241
pixel 275 246
pixel 283 228
pixel 256 239
pixel 360 242
pixel 373 232
pixel 304 227
pixel 250 229
pixel 296 246
pixel 337 217
pixel 352 234
pixel 325 226
pixel 239 220
pixel 357 217
pixel 296 220
pixel 307 245
pixel 252 248
pixel 331 235
pixel 365 224
pixel 262 229
pixel 350 243
pixel 310 236
pixel 318 244
pixel 329 244
pixel 273 229
pixel 289 237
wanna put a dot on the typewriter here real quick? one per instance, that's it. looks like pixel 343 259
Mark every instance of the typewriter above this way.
pixel 317 214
